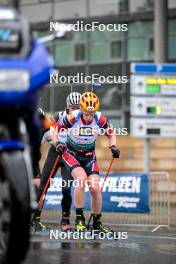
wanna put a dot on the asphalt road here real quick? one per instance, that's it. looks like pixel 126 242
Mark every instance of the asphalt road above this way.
pixel 139 247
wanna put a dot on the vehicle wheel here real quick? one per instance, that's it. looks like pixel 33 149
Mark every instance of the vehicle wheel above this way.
pixel 15 213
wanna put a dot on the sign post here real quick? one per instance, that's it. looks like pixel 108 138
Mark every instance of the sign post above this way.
pixel 153 102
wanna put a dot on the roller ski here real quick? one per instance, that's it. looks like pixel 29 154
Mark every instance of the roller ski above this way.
pixel 65 224
pixel 37 226
pixel 98 230
pixel 81 227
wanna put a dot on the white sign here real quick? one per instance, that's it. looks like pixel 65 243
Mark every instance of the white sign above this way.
pixel 153 85
pixel 153 127
pixel 153 106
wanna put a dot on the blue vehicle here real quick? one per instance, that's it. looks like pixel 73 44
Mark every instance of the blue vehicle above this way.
pixel 24 68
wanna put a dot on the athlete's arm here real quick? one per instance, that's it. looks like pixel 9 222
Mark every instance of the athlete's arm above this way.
pixel 109 132
pixel 62 124
pixel 66 122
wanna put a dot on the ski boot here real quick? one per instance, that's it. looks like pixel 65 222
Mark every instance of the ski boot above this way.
pixel 80 224
pixel 99 228
pixel 38 226
pixel 65 224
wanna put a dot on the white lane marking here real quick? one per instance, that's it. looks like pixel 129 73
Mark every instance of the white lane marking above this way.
pixel 156 228
pixel 159 237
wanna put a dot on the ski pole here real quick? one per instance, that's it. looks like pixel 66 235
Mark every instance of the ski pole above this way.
pixel 109 168
pixel 110 165
pixel 48 181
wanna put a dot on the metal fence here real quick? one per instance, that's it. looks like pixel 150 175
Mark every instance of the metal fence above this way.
pixel 159 215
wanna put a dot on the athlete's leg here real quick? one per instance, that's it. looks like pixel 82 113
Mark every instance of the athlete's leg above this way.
pixel 96 197
pixel 79 194
pixel 78 173
pixel 67 181
pixel 79 198
pixel 96 203
pixel 66 202
pixel 80 176
pixel 92 171
pixel 36 224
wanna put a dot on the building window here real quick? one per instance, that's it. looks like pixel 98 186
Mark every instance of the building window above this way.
pixel 123 6
pixel 151 47
pixel 116 49
pixel 79 52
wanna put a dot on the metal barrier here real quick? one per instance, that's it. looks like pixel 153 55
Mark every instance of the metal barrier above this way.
pixel 159 215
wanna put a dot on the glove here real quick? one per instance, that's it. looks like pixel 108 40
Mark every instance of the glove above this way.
pixel 60 147
pixel 115 151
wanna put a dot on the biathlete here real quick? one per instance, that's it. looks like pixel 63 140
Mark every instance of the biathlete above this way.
pixel 72 103
pixel 79 157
